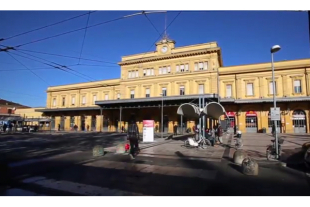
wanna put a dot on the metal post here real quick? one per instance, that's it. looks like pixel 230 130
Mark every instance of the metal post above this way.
pixel 200 103
pixel 218 86
pixel 101 122
pixel 274 106
pixel 162 115
pixel 120 119
pixel 181 124
pixel 203 119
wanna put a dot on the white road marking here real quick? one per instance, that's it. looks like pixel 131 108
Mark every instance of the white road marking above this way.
pixel 164 170
pixel 76 188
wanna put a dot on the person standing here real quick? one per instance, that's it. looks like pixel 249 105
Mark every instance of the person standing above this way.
pixel 133 137
pixel 220 133
pixel 175 129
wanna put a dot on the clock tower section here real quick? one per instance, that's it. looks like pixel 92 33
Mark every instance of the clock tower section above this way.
pixel 165 46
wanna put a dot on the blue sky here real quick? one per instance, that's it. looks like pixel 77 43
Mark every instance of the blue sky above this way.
pixel 244 36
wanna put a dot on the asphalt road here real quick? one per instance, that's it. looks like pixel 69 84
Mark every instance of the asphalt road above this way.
pixel 72 170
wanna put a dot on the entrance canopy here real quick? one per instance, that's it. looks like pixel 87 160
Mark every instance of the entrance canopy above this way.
pixel 189 110
pixel 212 110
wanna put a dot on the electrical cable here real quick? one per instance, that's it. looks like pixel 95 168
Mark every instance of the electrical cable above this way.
pixel 33 30
pixel 68 32
pixel 29 69
pixel 84 37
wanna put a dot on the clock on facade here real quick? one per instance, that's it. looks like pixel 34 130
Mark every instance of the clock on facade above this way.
pixel 164 49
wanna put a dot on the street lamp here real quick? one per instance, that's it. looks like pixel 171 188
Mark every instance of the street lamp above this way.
pixel 162 114
pixel 275 49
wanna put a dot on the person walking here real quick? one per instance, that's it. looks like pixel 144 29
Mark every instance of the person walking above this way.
pixel 220 133
pixel 133 137
pixel 175 129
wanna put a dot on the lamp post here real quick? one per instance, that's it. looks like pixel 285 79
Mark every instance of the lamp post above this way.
pixel 162 115
pixel 273 50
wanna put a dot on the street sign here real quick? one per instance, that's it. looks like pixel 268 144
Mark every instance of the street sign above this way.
pixel 275 114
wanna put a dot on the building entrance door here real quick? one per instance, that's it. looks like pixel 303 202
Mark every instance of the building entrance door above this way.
pixel 83 123
pixel 251 122
pixel 299 122
pixel 93 123
pixel 62 123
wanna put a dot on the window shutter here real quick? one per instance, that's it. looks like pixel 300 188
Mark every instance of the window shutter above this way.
pixel 147 91
pixel 148 72
pixel 152 71
pixel 168 69
pixel 177 68
pixel 132 92
pixel 297 83
pixel 271 87
pixel 201 87
pixel 200 66
pixel 228 90
pixel 186 67
pixel 182 68
pixel 160 70
pixel 137 73
pixel 250 89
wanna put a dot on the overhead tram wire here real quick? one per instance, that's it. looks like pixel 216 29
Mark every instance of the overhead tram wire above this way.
pixel 24 94
pixel 152 24
pixel 161 34
pixel 56 23
pixel 112 20
pixel 29 69
pixel 66 56
pixel 84 38
pixel 58 66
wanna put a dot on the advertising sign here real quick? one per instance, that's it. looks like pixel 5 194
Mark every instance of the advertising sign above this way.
pixel 148 130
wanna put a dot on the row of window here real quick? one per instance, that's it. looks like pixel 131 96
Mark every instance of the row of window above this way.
pixel 167 69
pixel 83 100
pixel 164 91
pixel 250 88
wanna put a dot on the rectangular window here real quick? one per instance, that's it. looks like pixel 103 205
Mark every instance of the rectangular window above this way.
pixel 83 100
pixel 164 91
pixel 118 96
pixel 182 90
pixel 54 101
pixel 164 70
pixel 186 67
pixel 182 68
pixel 144 72
pixel 201 88
pixel 206 65
pixel 137 74
pixel 106 96
pixel 196 66
pixel 148 72
pixel 271 87
pixel 73 100
pixel 63 101
pixel 168 69
pixel 129 74
pixel 249 89
pixel 297 86
pixel 132 94
pixel 147 92
pixel 94 98
pixel 160 71
pixel 200 66
pixel 177 69
pixel 228 90
pixel 152 71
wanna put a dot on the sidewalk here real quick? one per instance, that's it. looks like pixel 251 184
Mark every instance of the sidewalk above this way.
pixel 256 144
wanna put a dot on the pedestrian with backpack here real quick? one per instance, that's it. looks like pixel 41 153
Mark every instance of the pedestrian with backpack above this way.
pixel 133 137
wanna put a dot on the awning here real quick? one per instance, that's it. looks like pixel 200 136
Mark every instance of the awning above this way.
pixel 189 110
pixel 37 119
pixel 214 110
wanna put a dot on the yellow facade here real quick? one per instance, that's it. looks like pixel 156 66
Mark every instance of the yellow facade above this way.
pixel 196 69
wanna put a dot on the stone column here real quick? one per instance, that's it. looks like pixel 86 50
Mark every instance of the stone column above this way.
pixel 67 123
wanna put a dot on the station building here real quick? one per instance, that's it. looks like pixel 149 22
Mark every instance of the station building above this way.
pixel 171 76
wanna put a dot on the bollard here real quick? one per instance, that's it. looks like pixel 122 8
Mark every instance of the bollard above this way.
pixel 239 156
pixel 249 166
pixel 98 150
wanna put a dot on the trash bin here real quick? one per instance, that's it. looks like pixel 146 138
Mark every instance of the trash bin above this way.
pixel 264 130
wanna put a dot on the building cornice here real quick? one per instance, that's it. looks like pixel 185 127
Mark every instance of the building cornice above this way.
pixel 170 56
